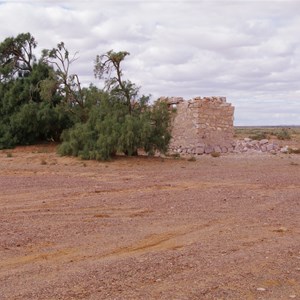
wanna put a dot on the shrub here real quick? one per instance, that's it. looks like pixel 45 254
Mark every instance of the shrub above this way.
pixel 110 128
pixel 260 135
pixel 283 134
pixel 294 150
pixel 192 158
pixel 215 154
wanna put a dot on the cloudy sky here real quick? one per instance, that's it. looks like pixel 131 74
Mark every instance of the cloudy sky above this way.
pixel 246 50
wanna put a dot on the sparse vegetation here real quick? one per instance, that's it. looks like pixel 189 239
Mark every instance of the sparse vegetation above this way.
pixel 192 158
pixel 283 134
pixel 258 136
pixel 174 155
pixel 294 150
pixel 43 162
pixel 259 133
pixel 215 154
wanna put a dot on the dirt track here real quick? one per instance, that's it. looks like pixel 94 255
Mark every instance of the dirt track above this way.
pixel 138 228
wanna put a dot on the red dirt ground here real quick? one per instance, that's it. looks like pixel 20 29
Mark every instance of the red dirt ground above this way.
pixel 141 228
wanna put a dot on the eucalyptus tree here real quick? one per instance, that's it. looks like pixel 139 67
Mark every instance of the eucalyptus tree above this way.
pixel 16 56
pixel 108 67
pixel 67 83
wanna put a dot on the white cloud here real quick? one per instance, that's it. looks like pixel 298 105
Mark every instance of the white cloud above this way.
pixel 248 51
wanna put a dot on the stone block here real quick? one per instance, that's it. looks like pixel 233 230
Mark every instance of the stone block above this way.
pixel 208 149
pixel 224 149
pixel 199 150
pixel 264 141
pixel 217 149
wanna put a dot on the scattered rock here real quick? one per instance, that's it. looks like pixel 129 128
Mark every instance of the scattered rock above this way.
pixel 246 145
pixel 281 229
pixel 261 289
pixel 208 149
pixel 217 149
pixel 284 149
pixel 199 150
pixel 263 142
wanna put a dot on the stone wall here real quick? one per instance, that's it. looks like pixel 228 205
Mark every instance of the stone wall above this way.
pixel 201 125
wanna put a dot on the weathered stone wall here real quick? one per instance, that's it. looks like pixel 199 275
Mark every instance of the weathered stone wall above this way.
pixel 201 125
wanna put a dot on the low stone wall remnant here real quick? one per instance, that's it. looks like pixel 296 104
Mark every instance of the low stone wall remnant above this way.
pixel 249 145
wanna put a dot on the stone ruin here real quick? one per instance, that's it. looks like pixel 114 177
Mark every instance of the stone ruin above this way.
pixel 205 125
pixel 201 125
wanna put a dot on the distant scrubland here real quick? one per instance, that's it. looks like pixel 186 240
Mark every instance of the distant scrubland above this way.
pixel 268 132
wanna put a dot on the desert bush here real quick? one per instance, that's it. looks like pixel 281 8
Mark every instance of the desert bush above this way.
pixel 110 128
pixel 283 134
pixel 260 135
pixel 294 150
pixel 173 155
pixel 9 154
pixel 215 154
pixel 192 158
pixel 25 117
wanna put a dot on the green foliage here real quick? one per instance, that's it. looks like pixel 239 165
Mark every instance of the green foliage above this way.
pixel 108 67
pixel 42 101
pixel 38 121
pixel 66 84
pixel 25 116
pixel 16 56
pixel 111 129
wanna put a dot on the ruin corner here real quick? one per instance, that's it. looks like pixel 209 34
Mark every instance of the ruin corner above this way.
pixel 201 125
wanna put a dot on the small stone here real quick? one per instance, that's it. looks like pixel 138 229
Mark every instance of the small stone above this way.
pixel 247 140
pixel 292 296
pixel 263 148
pixel 261 289
pixel 284 149
pixel 217 149
pixel 224 149
pixel 208 149
pixel 199 150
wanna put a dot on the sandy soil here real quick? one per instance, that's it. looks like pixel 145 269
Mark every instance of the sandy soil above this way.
pixel 140 228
